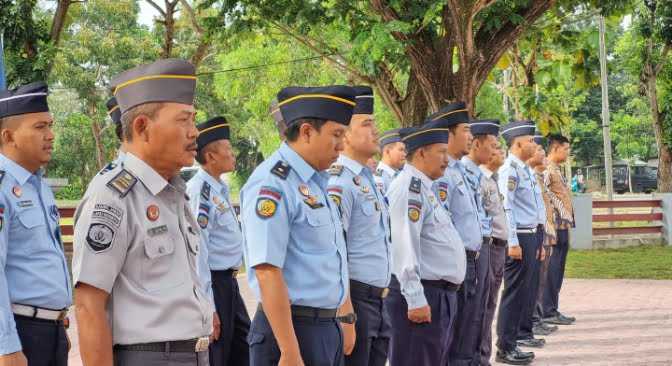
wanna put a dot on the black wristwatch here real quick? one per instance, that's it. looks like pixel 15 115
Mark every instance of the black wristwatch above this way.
pixel 348 318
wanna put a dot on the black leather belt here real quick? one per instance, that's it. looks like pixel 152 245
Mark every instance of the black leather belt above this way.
pixel 487 240
pixel 499 242
pixel 472 254
pixel 233 272
pixel 309 312
pixel 444 285
pixel 372 291
pixel 186 346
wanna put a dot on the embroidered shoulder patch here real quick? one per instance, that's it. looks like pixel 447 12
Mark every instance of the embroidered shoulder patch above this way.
pixel 415 185
pixel 281 169
pixel 100 237
pixel 205 191
pixel 414 208
pixel 123 182
pixel 514 164
pixel 336 169
pixel 443 191
pixel 511 183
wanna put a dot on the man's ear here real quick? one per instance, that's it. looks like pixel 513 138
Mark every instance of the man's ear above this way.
pixel 306 131
pixel 140 127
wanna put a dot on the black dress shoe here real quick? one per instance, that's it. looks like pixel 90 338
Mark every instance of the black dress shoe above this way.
pixel 532 342
pixel 568 318
pixel 559 320
pixel 543 329
pixel 512 358
pixel 522 354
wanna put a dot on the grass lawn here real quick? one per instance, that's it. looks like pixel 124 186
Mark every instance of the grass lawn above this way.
pixel 643 262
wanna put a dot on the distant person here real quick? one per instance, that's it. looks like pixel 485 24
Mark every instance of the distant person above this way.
pixel 393 157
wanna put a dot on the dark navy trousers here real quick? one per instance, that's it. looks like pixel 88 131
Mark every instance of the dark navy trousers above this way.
pixel 231 348
pixel 497 258
pixel 421 344
pixel 320 341
pixel 44 342
pixel 372 327
pixel 518 282
pixel 556 274
pixel 527 319
pixel 465 348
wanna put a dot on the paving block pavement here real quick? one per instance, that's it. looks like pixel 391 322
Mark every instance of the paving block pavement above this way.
pixel 619 323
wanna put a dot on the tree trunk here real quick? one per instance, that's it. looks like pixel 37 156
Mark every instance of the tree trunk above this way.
pixel 664 153
pixel 97 138
pixel 169 24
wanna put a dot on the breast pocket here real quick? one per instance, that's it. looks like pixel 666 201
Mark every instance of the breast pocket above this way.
pixel 161 268
pixel 25 233
pixel 368 207
pixel 316 231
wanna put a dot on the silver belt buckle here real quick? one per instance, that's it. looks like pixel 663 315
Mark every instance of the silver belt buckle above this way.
pixel 202 344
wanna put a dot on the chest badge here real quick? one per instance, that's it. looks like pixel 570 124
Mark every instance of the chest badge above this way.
pixel 304 190
pixel 365 189
pixel 17 191
pixel 152 212
pixel 357 180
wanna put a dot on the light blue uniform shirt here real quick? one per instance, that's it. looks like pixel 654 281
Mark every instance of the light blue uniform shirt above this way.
pixel 384 176
pixel 458 198
pixel 474 177
pixel 521 203
pixel 425 244
pixel 366 221
pixel 221 237
pixel 290 223
pixel 31 251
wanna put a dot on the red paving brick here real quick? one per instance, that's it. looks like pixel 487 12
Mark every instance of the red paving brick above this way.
pixel 620 322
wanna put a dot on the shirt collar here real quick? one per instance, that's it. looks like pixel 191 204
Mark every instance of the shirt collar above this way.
pixel 154 182
pixel 517 160
pixel 470 165
pixel 387 168
pixel 17 171
pixel 351 164
pixel 298 164
pixel 216 185
pixel 427 181
pixel 487 172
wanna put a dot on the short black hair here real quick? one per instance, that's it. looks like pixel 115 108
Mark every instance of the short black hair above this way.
pixel 556 138
pixel 292 132
pixel 119 131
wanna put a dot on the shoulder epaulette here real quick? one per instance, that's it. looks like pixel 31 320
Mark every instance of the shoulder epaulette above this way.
pixel 379 172
pixel 416 185
pixel 2 175
pixel 107 168
pixel 336 169
pixel 123 182
pixel 514 165
pixel 205 191
pixel 281 169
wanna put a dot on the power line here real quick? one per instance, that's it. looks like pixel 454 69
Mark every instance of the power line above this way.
pixel 260 66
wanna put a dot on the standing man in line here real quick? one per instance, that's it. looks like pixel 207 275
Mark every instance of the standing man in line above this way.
pixel 428 255
pixel 294 246
pixel 482 149
pixel 221 242
pixel 392 160
pixel 366 222
pixel 139 299
pixel 522 209
pixel 561 200
pixel 35 291
pixel 459 199
pixel 525 331
pixel 494 208
pixel 538 164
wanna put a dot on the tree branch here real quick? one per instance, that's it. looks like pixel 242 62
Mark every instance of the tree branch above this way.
pixel 493 45
pixel 59 21
pixel 192 16
pixel 663 56
pixel 157 7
